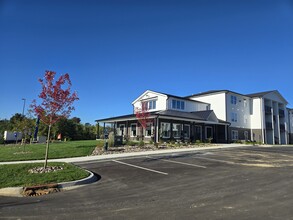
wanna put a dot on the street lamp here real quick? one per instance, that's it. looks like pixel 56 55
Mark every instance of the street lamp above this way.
pixel 23 106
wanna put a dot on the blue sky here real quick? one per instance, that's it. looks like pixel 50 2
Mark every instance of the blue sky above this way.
pixel 114 50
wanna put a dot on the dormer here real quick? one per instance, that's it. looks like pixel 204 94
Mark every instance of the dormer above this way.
pixel 150 100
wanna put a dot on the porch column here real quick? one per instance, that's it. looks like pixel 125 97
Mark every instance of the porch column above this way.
pixel 226 136
pixel 157 130
pixel 98 131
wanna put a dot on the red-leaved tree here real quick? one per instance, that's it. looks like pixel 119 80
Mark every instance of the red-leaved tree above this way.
pixel 56 102
pixel 142 115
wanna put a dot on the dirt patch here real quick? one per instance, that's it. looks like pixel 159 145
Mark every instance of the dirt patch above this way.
pixel 40 190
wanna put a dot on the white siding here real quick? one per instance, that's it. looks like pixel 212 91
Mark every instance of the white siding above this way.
pixel 190 106
pixel 240 108
pixel 217 103
pixel 256 117
pixel 149 95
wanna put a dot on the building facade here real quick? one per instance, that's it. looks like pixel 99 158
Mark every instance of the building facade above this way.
pixel 218 115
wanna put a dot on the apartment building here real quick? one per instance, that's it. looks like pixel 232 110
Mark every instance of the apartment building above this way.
pixel 219 115
pixel 261 117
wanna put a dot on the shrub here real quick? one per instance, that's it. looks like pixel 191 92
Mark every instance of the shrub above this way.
pixel 141 143
pixel 198 142
pixel 131 143
pixel 111 139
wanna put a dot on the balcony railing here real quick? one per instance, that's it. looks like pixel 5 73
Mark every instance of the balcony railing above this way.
pixel 269 125
pixel 282 127
pixel 281 113
pixel 268 110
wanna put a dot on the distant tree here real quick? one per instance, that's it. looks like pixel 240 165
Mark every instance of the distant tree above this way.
pixel 56 102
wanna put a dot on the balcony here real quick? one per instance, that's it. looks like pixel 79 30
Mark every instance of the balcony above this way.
pixel 282 127
pixel 281 113
pixel 269 125
pixel 268 110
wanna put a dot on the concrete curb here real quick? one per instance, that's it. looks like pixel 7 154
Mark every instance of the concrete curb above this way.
pixel 90 179
pixel 17 191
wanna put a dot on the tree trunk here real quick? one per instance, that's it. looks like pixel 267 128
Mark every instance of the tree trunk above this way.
pixel 47 147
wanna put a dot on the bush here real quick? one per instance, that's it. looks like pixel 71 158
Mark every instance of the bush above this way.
pixel 131 143
pixel 141 143
pixel 111 139
pixel 198 142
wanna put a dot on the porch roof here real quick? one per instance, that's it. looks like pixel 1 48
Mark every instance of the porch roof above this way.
pixel 207 116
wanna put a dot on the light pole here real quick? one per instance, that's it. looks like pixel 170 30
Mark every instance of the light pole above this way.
pixel 23 106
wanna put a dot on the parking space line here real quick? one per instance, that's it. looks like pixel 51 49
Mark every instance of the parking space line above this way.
pixel 143 168
pixel 187 164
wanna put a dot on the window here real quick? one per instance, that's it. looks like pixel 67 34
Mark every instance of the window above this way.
pixel 176 130
pixel 176 104
pixel 149 105
pixel 234 135
pixel 121 130
pixel 152 104
pixel 133 130
pixel 234 117
pixel 186 131
pixel 165 130
pixel 233 99
pixel 148 130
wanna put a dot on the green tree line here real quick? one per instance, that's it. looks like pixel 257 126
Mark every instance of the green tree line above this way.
pixel 71 129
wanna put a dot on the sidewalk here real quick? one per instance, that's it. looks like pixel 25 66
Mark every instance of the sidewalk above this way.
pixel 132 154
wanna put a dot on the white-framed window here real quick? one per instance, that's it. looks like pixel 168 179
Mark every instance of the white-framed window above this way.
pixel 133 129
pixel 209 132
pixel 177 104
pixel 121 130
pixel 148 129
pixel 176 130
pixel 152 104
pixel 186 131
pixel 234 135
pixel 149 105
pixel 233 99
pixel 234 117
pixel 165 130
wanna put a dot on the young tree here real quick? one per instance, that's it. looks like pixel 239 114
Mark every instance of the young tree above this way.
pixel 56 102
pixel 143 116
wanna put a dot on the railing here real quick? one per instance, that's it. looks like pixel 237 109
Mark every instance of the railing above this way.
pixel 269 125
pixel 268 110
pixel 282 127
pixel 281 113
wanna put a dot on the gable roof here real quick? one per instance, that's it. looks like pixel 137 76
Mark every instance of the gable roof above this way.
pixel 262 94
pixel 167 95
pixel 210 92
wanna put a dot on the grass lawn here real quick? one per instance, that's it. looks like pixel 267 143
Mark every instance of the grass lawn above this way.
pixel 17 174
pixel 56 150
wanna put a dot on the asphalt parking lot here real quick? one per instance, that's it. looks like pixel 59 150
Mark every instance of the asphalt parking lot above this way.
pixel 237 183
